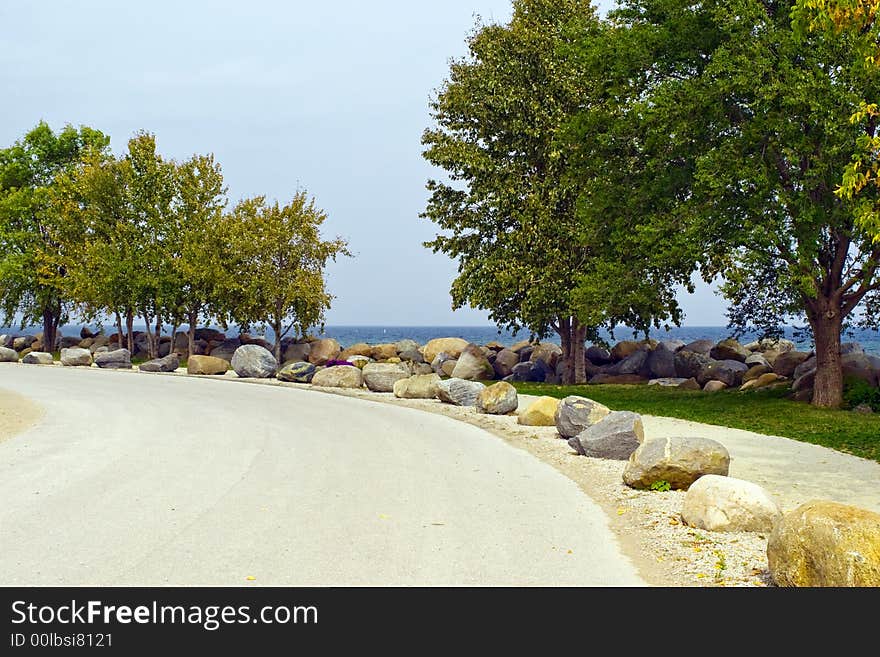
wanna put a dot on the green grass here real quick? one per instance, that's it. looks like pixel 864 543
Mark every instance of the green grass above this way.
pixel 762 411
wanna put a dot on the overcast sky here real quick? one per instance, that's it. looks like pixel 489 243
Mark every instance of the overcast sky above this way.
pixel 328 96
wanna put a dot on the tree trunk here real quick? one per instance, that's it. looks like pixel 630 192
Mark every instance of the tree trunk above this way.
pixel 158 334
pixel 129 327
pixel 174 328
pixel 191 332
pixel 564 332
pixel 579 352
pixel 119 329
pixel 826 323
pixel 50 329
pixel 276 328
pixel 572 334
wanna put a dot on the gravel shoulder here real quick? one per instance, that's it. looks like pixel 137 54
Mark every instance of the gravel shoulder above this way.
pixel 17 414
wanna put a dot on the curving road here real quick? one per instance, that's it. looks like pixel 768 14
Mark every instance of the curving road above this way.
pixel 140 479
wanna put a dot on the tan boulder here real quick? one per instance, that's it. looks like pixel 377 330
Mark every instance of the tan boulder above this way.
pixel 207 365
pixel 769 378
pixel 421 386
pixel 451 346
pixel 322 350
pixel 383 352
pixel 625 348
pixel 726 504
pixel 338 376
pixel 548 352
pixel 540 413
pixel 498 399
pixel 472 365
pixel 359 349
pixel 448 367
pixel 823 543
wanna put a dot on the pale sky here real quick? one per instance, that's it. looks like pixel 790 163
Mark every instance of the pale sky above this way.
pixel 331 97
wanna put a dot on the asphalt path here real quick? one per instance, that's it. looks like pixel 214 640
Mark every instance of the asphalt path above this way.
pixel 141 479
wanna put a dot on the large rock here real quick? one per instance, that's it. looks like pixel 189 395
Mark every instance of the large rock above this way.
pixel 357 349
pixel 625 349
pixel 323 350
pixel 473 365
pixel 22 342
pixel 76 357
pixel 439 360
pixel 598 355
pixel 452 346
pixel 725 504
pixel 671 345
pixel 383 351
pixel 574 414
pixel 298 372
pixel 206 365
pixel 381 377
pixel 505 361
pixel 37 358
pixel 209 334
pixel 766 379
pixel 540 413
pixel 422 386
pixel 548 352
pixel 757 359
pixel 168 363
pixel 8 355
pixel 804 382
pixel 785 363
pixel 699 347
pixel 715 386
pixel 339 376
pixel 527 372
pixel 297 352
pixel 824 543
pixel 448 367
pixel 808 365
pixel 224 350
pixel 68 341
pixel 616 437
pixel 689 384
pixel 412 355
pixel 635 363
pixel 118 359
pixel 755 371
pixel 661 363
pixel 407 345
pixel 861 366
pixel 729 349
pixel 459 392
pixel 498 399
pixel 678 461
pixel 689 364
pixel 729 372
pixel 251 361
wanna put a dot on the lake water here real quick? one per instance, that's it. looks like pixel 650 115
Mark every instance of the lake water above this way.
pixel 349 335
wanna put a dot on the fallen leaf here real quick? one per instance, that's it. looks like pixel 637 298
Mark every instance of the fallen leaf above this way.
pixel 620 512
pixel 250 578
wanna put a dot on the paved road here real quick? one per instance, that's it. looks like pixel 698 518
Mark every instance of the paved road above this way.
pixel 132 478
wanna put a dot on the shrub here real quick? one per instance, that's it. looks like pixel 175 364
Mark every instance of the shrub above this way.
pixel 858 391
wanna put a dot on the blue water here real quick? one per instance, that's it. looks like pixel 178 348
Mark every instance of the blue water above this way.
pixel 349 335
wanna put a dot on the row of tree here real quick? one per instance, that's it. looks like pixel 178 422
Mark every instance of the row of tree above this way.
pixel 88 233
pixel 595 164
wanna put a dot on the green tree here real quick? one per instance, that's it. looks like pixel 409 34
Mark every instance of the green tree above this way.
pixel 749 113
pixel 509 209
pixel 31 283
pixel 274 274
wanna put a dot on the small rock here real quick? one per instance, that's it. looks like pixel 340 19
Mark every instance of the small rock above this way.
pixel 672 382
pixel 616 437
pixel 206 365
pixel 459 392
pixel 574 414
pixel 824 543
pixel 540 413
pixel 498 399
pixel 252 361
pixel 715 386
pixel 299 372
pixel 725 504
pixel 76 357
pixel 689 384
pixel 118 359
pixel 38 358
pixel 678 461
pixel 864 409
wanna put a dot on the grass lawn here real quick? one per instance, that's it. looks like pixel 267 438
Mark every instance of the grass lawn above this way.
pixel 762 411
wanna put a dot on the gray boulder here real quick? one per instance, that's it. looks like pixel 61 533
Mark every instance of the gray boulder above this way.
pixel 785 363
pixel 22 342
pixel 298 372
pixel 505 361
pixel 699 347
pixel 473 365
pixel 381 377
pixel 729 372
pixel 689 364
pixel 119 359
pixel 8 355
pixel 168 363
pixel 408 345
pixel 671 345
pixel 632 364
pixel 804 382
pixel 68 341
pixel 575 414
pixel 37 358
pixel 297 353
pixel 861 366
pixel 411 355
pixel 757 359
pixel 689 384
pixel 598 355
pixel 678 461
pixel 808 365
pixel 76 357
pixel 459 392
pixel 729 349
pixel 439 360
pixel 661 363
pixel 616 437
pixel 226 349
pixel 851 348
pixel 253 361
